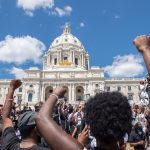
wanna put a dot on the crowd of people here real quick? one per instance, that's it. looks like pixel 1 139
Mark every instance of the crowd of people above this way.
pixel 105 122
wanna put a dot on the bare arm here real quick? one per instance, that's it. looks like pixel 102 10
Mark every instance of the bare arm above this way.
pixel 55 137
pixel 142 43
pixel 142 142
pixel 8 104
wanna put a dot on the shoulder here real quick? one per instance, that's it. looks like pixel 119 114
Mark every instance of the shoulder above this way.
pixel 40 148
pixel 9 138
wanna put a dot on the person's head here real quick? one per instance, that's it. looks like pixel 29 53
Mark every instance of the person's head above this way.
pixel 27 125
pixel 70 109
pixel 109 116
pixel 139 110
pixel 142 82
pixel 137 125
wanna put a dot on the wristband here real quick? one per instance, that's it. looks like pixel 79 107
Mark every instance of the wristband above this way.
pixel 55 96
pixel 9 99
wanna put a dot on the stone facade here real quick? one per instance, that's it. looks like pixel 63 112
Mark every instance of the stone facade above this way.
pixel 67 63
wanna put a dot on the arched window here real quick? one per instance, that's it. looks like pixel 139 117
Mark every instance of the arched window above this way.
pixel 30 96
pixel 65 58
pixel 31 86
pixel 76 61
pixel 55 61
pixel 48 92
pixel 79 93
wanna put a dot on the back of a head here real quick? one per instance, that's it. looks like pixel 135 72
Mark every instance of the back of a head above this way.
pixel 109 116
pixel 26 123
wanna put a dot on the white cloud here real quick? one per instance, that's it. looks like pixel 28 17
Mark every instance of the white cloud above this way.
pixel 66 11
pixel 17 72
pixel 21 49
pixel 30 5
pixel 125 66
pixel 116 16
pixel 82 24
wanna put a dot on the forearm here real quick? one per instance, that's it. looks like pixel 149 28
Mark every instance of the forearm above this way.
pixel 146 57
pixel 47 108
pixel 55 137
pixel 8 104
pixel 142 142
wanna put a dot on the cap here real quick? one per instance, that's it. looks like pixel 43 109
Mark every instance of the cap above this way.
pixel 26 119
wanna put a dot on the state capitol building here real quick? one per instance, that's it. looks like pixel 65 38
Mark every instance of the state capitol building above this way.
pixel 66 63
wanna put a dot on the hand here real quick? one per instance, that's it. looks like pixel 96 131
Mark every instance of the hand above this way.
pixel 84 136
pixel 60 91
pixel 14 84
pixel 142 43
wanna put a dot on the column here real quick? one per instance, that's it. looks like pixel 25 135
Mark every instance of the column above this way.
pixel 57 57
pixel 60 56
pixel 43 93
pixel 73 57
pixel 70 93
pixel 82 60
pixel 88 63
pixel 73 93
pixel 50 59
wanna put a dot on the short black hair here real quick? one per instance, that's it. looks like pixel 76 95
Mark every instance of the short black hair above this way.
pixel 26 131
pixel 109 116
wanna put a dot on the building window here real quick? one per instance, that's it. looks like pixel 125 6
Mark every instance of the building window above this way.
pixel 20 89
pixel 118 88
pixel 51 91
pixel 30 96
pixel 76 61
pixel 129 88
pixel 79 98
pixel 19 99
pixel 130 96
pixel 31 85
pixel 55 61
pixel 96 85
pixel 79 91
pixel 66 40
pixel 65 58
pixel 108 88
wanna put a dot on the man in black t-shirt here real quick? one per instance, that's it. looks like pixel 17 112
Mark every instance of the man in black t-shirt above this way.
pixel 137 137
pixel 26 124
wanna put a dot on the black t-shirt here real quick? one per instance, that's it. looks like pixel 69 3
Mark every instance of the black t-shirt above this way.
pixel 11 142
pixel 96 148
pixel 136 136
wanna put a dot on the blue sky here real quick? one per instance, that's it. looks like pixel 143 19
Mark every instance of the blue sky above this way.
pixel 105 27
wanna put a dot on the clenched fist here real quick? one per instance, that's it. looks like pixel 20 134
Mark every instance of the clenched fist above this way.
pixel 142 43
pixel 14 84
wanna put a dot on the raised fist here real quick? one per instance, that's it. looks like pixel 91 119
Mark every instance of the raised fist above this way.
pixel 142 43
pixel 15 84
pixel 60 91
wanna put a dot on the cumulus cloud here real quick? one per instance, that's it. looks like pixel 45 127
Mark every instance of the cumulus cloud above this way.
pixel 116 16
pixel 30 5
pixel 125 66
pixel 66 11
pixel 21 49
pixel 17 72
pixel 82 24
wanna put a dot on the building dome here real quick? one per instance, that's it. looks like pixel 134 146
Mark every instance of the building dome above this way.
pixel 66 52
pixel 66 39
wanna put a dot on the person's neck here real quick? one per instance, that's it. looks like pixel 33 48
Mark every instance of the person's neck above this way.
pixel 28 142
pixel 106 146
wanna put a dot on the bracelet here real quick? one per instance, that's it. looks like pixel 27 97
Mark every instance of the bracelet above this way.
pixel 55 96
pixel 9 99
